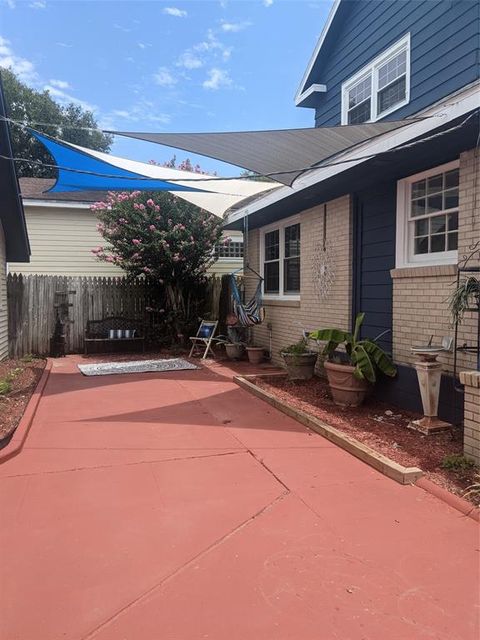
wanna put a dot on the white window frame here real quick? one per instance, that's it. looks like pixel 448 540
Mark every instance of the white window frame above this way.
pixel 280 225
pixel 404 244
pixel 372 69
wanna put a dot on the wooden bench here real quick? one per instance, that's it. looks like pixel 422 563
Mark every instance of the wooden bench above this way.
pixel 97 335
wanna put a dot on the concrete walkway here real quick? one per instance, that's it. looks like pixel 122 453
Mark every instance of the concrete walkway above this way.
pixel 176 506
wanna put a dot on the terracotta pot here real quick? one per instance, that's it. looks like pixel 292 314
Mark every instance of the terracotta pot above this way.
pixel 347 391
pixel 234 351
pixel 300 366
pixel 255 354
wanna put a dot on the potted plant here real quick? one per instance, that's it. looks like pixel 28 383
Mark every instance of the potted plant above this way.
pixel 299 360
pixel 255 354
pixel 234 350
pixel 465 297
pixel 350 381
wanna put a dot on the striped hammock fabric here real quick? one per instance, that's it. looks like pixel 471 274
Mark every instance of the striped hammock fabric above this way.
pixel 251 313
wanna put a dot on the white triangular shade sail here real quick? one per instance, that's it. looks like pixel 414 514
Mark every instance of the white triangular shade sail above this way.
pixel 282 154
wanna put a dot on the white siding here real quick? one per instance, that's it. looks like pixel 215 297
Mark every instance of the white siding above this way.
pixel 3 298
pixel 61 240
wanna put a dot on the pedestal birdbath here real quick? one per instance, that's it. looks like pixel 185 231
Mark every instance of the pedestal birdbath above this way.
pixel 429 373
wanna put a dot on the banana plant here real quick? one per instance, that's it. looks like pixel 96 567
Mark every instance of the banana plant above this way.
pixel 365 354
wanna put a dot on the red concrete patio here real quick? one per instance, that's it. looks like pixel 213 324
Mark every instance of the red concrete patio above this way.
pixel 176 506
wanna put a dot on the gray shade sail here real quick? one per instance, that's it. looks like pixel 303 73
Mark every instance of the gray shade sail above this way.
pixel 283 154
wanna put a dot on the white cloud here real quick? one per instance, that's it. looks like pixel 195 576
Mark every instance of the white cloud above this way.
pixel 11 4
pixel 24 69
pixel 268 3
pixel 174 11
pixel 60 84
pixel 164 78
pixel 38 4
pixel 120 113
pixel 120 28
pixel 213 45
pixel 188 60
pixel 65 45
pixel 65 98
pixel 217 78
pixel 234 27
pixel 143 111
pixel 144 45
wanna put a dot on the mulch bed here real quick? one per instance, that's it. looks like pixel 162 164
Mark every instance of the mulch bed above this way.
pixel 380 426
pixel 25 376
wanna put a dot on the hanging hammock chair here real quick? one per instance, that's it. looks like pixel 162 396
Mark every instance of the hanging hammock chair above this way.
pixel 252 312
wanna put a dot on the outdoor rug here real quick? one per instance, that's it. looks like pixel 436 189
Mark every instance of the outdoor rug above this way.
pixel 136 366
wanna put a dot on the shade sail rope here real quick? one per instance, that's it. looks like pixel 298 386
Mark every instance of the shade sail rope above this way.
pixel 208 178
pixel 61 125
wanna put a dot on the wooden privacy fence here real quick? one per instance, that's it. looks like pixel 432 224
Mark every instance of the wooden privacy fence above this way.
pixel 33 302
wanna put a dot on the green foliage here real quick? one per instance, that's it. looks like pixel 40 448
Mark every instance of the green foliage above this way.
pixel 365 355
pixel 457 462
pixel 28 358
pixel 30 106
pixel 297 349
pixel 465 296
pixel 6 382
pixel 164 238
pixel 5 386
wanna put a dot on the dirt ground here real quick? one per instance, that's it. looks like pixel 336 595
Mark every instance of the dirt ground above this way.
pixel 22 375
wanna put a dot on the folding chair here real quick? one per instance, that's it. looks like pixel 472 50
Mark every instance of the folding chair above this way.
pixel 204 338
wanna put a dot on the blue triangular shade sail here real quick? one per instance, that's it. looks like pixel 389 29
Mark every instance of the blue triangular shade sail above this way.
pixel 92 174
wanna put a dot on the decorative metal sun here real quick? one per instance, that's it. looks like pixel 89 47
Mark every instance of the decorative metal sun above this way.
pixel 323 269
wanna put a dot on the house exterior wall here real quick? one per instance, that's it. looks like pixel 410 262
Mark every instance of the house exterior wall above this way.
pixel 420 294
pixel 3 298
pixel 444 50
pixel 288 318
pixel 471 433
pixel 61 241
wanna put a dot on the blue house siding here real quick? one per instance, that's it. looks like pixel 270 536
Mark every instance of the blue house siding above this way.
pixel 445 49
pixel 374 229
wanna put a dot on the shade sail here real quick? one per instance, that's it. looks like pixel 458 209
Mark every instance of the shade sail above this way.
pixel 81 169
pixel 282 154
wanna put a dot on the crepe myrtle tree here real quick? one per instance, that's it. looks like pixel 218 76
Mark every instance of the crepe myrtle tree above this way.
pixel 164 238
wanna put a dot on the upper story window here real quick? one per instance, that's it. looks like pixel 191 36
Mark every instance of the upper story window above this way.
pixel 427 217
pixel 379 88
pixel 280 256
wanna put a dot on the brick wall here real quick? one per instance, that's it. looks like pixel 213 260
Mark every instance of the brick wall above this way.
pixel 471 433
pixel 289 318
pixel 420 294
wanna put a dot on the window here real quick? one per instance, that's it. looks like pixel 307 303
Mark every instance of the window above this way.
pixel 232 250
pixel 379 88
pixel 272 262
pixel 427 217
pixel 281 260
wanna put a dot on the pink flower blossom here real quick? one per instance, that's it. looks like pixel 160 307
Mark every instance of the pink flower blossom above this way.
pixel 150 202
pixel 136 241
pixel 152 227
pixel 110 259
pixel 157 208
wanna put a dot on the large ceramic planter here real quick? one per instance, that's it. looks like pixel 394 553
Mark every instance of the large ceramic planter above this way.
pixel 234 350
pixel 255 354
pixel 347 391
pixel 300 366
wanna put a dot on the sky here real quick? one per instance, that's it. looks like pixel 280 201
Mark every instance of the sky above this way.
pixel 202 65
